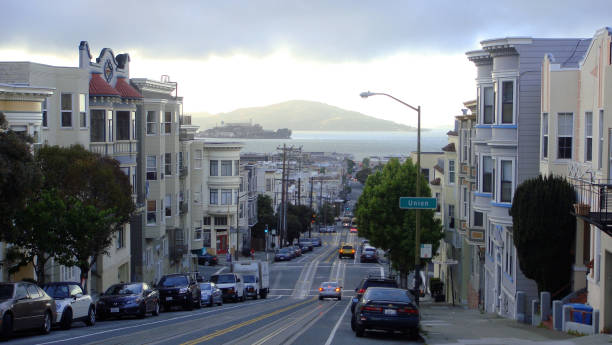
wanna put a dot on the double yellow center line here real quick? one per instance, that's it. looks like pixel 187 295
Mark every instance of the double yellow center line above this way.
pixel 245 323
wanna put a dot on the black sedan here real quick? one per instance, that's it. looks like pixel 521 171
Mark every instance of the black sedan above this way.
pixel 128 299
pixel 389 309
pixel 25 306
pixel 207 258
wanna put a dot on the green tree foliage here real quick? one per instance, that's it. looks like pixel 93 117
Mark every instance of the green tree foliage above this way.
pixel 20 177
pixel 365 163
pixel 98 195
pixel 543 230
pixel 385 224
pixel 298 221
pixel 362 175
pixel 265 215
pixel 350 165
pixel 327 213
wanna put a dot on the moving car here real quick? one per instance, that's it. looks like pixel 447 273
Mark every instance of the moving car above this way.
pixel 316 241
pixel 25 306
pixel 179 289
pixel 353 230
pixel 372 281
pixel 71 304
pixel 330 290
pixel 211 294
pixel 231 285
pixel 346 250
pixel 307 243
pixel 283 254
pixel 136 299
pixel 389 309
pixel 207 258
pixel 368 254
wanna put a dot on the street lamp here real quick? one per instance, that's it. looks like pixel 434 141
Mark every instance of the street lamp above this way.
pixel 417 257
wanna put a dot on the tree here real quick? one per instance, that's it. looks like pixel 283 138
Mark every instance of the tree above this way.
pixel 362 175
pixel 543 230
pixel 350 165
pixel 298 220
pixel 385 224
pixel 265 216
pixel 20 177
pixel 327 213
pixel 365 163
pixel 98 198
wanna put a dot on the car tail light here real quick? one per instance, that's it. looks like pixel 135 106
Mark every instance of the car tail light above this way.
pixel 353 251
pixel 408 310
pixel 337 289
pixel 361 291
pixel 320 289
pixel 376 309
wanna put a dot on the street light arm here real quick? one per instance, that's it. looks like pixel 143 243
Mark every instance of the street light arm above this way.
pixel 368 94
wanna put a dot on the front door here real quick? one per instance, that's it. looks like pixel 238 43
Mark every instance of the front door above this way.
pixel 221 244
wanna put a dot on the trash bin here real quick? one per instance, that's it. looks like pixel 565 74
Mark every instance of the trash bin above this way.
pixel 581 313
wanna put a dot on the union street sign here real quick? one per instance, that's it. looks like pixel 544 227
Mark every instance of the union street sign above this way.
pixel 413 203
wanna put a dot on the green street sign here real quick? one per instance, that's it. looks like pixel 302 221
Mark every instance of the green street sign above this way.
pixel 413 203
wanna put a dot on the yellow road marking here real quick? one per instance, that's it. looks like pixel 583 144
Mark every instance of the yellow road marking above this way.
pixel 245 323
pixel 278 331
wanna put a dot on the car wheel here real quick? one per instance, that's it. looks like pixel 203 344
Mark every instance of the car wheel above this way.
pixel 156 309
pixel 91 317
pixel 359 331
pixel 66 321
pixel 7 326
pixel 46 326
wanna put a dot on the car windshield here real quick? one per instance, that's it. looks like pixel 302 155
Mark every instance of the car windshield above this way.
pixel 249 279
pixel 369 249
pixel 347 247
pixel 124 289
pixel 223 279
pixel 6 291
pixel 57 291
pixel 392 295
pixel 205 286
pixel 171 281
pixel 329 284
pixel 284 251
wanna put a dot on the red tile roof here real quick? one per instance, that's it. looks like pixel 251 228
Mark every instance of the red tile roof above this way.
pixel 126 90
pixel 99 87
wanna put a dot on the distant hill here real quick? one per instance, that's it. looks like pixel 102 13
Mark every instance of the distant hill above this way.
pixel 300 116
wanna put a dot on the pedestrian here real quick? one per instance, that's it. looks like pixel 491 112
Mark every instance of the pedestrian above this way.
pixel 228 257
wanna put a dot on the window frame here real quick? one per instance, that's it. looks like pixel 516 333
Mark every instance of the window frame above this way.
pixel 168 164
pixel 66 111
pixel 483 90
pixel 491 185
pixel 44 111
pixel 168 206
pixel 151 212
pixel 198 157
pixel 213 192
pixel 588 136
pixel 226 196
pixel 151 168
pixel 225 164
pixel 500 168
pixel 560 136
pixel 215 171
pixel 545 130
pixel 502 101
pixel 452 171
pixel 151 128
pixel 121 123
pixel 167 124
pixel 83 111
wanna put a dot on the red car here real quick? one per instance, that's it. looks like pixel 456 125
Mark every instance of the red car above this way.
pixel 353 230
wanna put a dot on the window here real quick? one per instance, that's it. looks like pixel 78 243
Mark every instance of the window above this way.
pixel 168 205
pixel 151 122
pixel 451 216
pixel 66 109
pixel 507 102
pixel 588 136
pixel 478 219
pixel 121 238
pixel 268 185
pixel 197 159
pixel 151 167
pixel 506 181
pixel 168 122
pixel 151 212
pixel 545 135
pixel 98 128
pixel 109 120
pixel 123 125
pixel 214 196
pixel 206 238
pixel 168 164
pixel 43 109
pixel 206 220
pixel 425 173
pixel 197 232
pixel 221 220
pixel 214 168
pixel 226 168
pixel 488 104
pixel 465 199
pixel 465 145
pixel 180 160
pixel 226 196
pixel 236 168
pixel 133 119
pixel 564 135
pixel 487 174
pixel 601 139
pixel 451 171
pixel 82 111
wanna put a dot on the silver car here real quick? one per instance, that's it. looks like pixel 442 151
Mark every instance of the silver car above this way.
pixel 330 290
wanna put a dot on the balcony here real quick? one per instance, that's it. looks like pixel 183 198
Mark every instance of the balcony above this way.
pixel 114 148
pixel 594 204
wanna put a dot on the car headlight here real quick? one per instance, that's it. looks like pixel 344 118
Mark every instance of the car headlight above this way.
pixel 183 290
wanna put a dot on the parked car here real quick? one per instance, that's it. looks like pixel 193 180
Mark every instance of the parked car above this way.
pixel 296 250
pixel 71 304
pixel 179 289
pixel 304 247
pixel 371 281
pixel 368 254
pixel 123 299
pixel 231 286
pixel 207 258
pixel 389 309
pixel 211 294
pixel 306 243
pixel 330 290
pixel 316 241
pixel 346 250
pixel 282 255
pixel 25 306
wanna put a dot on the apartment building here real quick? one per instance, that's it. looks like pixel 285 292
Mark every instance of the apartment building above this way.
pixel 575 141
pixel 505 143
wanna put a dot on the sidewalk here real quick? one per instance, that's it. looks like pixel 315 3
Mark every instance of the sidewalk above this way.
pixel 444 324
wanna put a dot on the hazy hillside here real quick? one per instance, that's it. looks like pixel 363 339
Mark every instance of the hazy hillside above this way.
pixel 301 116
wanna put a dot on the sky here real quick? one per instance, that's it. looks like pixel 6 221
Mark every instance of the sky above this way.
pixel 231 54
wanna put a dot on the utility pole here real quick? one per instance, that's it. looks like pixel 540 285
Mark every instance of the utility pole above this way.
pixel 311 184
pixel 299 197
pixel 283 197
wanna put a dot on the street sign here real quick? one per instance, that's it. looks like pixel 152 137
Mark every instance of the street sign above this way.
pixel 445 262
pixel 413 203
pixel 425 251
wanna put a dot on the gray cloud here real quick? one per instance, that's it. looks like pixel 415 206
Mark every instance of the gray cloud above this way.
pixel 330 30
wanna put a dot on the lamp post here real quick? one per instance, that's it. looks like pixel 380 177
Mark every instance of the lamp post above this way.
pixel 417 240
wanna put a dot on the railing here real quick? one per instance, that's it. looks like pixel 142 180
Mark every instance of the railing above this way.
pixel 594 201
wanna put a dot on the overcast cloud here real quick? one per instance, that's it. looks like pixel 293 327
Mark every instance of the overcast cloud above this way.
pixel 339 30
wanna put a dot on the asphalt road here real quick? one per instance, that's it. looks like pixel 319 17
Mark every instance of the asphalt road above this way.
pixel 292 313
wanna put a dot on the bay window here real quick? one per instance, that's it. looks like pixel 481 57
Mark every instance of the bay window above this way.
pixel 506 181
pixel 151 122
pixel 214 168
pixel 151 212
pixel 488 104
pixel 97 130
pixel 487 174
pixel 152 167
pixel 507 95
pixel 226 196
pixel 226 168
pixel 214 196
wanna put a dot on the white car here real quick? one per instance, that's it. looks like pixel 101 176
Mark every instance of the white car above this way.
pixel 71 303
